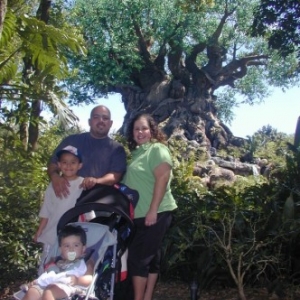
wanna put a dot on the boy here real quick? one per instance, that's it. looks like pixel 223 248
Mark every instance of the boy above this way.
pixel 69 161
pixel 65 277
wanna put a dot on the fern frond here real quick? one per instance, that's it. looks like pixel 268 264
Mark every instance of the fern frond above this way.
pixel 9 28
pixel 45 45
pixel 8 70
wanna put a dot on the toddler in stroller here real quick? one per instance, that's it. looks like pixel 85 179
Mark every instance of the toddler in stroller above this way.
pixel 65 274
pixel 108 234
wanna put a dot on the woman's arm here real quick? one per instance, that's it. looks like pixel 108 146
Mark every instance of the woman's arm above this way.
pixel 162 175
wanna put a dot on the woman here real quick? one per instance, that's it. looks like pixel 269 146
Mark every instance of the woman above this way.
pixel 149 173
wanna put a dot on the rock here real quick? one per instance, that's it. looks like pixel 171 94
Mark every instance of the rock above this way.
pixel 220 175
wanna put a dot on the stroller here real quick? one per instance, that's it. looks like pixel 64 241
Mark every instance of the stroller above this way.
pixel 106 214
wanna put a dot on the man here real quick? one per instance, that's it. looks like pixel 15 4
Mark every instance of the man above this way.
pixel 104 159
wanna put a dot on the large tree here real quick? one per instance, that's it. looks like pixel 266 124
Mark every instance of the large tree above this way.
pixel 182 61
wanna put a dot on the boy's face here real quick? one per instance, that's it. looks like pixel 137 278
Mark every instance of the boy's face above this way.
pixel 69 165
pixel 71 247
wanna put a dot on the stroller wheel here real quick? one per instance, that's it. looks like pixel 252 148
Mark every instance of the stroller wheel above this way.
pixel 81 297
pixel 102 294
pixel 77 297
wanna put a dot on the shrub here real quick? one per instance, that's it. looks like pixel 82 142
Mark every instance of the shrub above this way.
pixel 23 180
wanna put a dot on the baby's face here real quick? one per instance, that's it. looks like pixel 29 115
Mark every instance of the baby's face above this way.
pixel 71 247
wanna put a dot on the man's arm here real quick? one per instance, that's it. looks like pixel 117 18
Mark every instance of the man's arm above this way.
pixel 53 169
pixel 60 184
pixel 108 179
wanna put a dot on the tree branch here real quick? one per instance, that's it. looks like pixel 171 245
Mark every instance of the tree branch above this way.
pixel 215 52
pixel 215 37
pixel 143 46
pixel 174 58
pixel 191 59
pixel 237 69
pixel 43 11
pixel 160 59
pixel 175 62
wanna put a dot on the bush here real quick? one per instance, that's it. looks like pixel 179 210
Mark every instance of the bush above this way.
pixel 23 180
pixel 231 235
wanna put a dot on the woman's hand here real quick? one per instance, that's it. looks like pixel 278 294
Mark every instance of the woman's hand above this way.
pixel 151 218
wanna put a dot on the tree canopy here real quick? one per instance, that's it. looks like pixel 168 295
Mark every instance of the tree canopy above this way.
pixel 182 63
pixel 279 21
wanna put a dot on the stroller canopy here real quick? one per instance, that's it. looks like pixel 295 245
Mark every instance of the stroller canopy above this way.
pixel 104 200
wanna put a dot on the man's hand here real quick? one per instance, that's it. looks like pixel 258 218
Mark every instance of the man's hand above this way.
pixel 88 183
pixel 60 186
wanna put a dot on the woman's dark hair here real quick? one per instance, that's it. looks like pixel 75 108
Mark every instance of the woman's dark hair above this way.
pixel 69 230
pixel 156 134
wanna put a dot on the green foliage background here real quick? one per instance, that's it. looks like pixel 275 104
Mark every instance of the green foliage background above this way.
pixel 253 219
pixel 23 180
pixel 191 249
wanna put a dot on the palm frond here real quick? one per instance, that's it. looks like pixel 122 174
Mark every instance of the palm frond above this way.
pixel 65 116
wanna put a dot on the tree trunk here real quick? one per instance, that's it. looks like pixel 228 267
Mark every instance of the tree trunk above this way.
pixel 242 295
pixel 22 115
pixel 191 115
pixel 35 111
pixel 24 134
pixel 33 130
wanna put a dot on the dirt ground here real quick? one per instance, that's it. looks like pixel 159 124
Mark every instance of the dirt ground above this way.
pixel 181 291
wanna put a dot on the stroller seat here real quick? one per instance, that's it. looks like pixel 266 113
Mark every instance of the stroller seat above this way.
pixel 99 239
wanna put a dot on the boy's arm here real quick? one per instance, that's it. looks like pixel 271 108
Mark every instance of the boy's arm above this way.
pixel 86 279
pixel 43 223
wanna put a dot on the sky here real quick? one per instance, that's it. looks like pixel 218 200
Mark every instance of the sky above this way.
pixel 281 110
